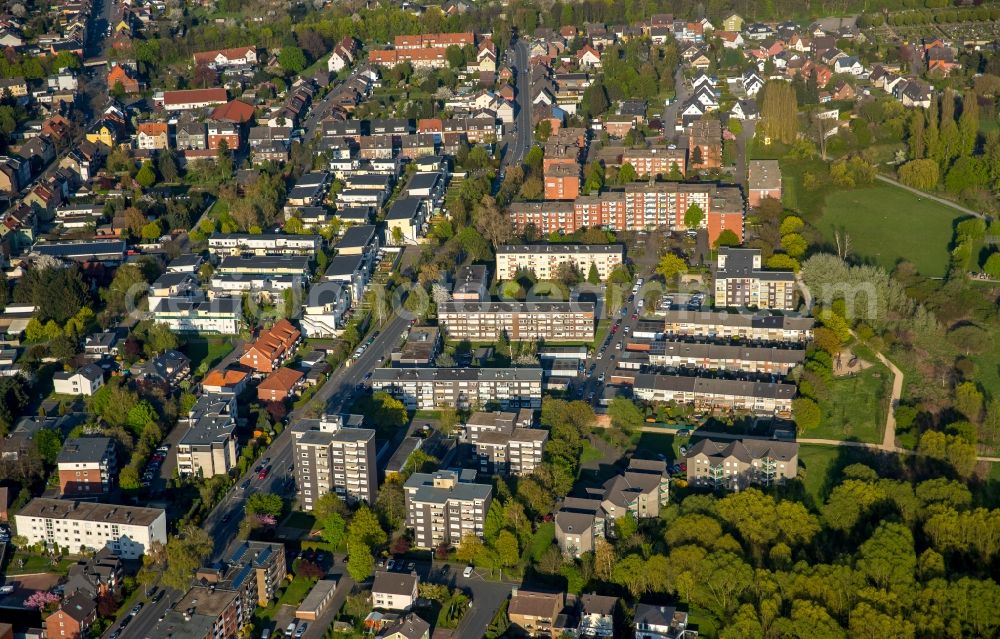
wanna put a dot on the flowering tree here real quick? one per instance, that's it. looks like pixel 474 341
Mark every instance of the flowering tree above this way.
pixel 266 520
pixel 41 599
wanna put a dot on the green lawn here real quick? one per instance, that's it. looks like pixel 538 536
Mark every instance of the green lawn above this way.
pixel 887 224
pixel 210 350
pixel 855 409
pixel 35 564
pixel 295 592
pixel 541 541
pixel 300 520
pixel 815 464
pixel 590 453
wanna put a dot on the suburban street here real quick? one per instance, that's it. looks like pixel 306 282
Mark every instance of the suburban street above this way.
pixel 522 141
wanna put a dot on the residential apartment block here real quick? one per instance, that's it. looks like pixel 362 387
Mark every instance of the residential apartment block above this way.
pixel 222 315
pixel 272 347
pixel 656 162
pixel 755 327
pixel 209 446
pixel 519 321
pixel 741 282
pixel 638 206
pixel 763 180
pixel 463 388
pixel 544 260
pixel 496 422
pixel 394 590
pixel 86 466
pixel 441 509
pixel 534 613
pixel 333 458
pixel 85 380
pixel 128 531
pixel 515 454
pixel 711 393
pixel 266 244
pixel 267 561
pixel 737 464
pixel 724 356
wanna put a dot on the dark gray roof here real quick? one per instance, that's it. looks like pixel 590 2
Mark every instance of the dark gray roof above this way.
pixel 83 450
pixel 560 249
pixel 404 208
pixel 738 319
pixel 746 450
pixel 357 236
pixel 456 374
pixel 711 385
pixel 395 583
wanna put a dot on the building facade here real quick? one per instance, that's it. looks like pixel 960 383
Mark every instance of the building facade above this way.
pixel 728 326
pixel 128 531
pixel 737 464
pixel 544 260
pixel 332 458
pixel 462 388
pixel 710 393
pixel 519 321
pixel 86 466
pixel 741 282
pixel 443 510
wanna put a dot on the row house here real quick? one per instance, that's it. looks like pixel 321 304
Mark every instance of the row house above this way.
pixel 272 347
pixel 739 326
pixel 224 58
pixel 710 393
pixel 723 356
pixel 343 55
pixel 192 99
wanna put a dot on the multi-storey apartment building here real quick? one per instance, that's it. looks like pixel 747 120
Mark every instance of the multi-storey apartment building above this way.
pixel 763 180
pixel 716 325
pixel 265 561
pixel 544 260
pixel 741 463
pixel 266 244
pixel 128 531
pixel 209 446
pixel 86 466
pixel 394 590
pixel 223 315
pixel 443 510
pixel 724 356
pixel 656 162
pixel 534 613
pixel 497 422
pixel 710 393
pixel 579 523
pixel 330 457
pixel 265 265
pixel 519 321
pixel 463 388
pixel 516 453
pixel 741 282
pixel 639 206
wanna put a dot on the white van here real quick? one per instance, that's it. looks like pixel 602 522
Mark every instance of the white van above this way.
pixel 266 634
pixel 290 630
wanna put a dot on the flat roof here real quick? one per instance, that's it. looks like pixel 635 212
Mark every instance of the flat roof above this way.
pixel 561 249
pixel 89 511
pixel 457 374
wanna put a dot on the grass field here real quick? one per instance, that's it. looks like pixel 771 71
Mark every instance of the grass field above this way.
pixel 206 349
pixel 887 224
pixel 855 408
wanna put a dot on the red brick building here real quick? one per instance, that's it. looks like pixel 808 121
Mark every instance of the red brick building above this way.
pixel 74 616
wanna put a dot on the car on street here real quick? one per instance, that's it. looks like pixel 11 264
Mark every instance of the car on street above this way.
pixel 136 608
pixel 115 634
pixel 600 378
pixel 7 589
pixel 267 461
pixel 684 432
pixel 245 484
pixel 301 631
pixel 227 517
pixel 467 572
pixel 390 564
pixel 263 473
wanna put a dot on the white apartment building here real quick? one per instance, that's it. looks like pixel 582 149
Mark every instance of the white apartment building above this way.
pixel 544 259
pixel 519 321
pixel 265 244
pixel 128 531
pixel 330 457
pixel 223 315
pixel 394 590
pixel 209 447
pixel 463 388
pixel 442 510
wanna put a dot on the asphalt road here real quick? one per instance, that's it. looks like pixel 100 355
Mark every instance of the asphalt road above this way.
pixel 522 141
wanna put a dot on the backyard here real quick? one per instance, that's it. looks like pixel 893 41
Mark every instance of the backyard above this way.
pixel 207 350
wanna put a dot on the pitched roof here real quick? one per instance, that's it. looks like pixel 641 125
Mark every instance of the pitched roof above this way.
pixel 223 378
pixel 235 111
pixel 394 583
pixel 283 379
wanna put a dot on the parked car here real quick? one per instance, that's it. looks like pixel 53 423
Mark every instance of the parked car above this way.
pixel 6 589
pixel 467 572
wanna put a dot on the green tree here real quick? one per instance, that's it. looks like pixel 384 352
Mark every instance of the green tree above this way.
pixel 48 443
pixel 791 224
pixel 292 59
pixel 992 265
pixel 969 401
pixel 778 112
pixel 365 529
pixel 146 177
pixel 727 237
pixel 693 216
pixel 593 277
pixel 329 512
pixel 627 174
pixel 264 504
pixel 670 266
pixel 152 231
pixel 128 478
pixel 595 177
pixel 794 245
pixel 185 553
pixel 920 174
pixel 507 550
pixel 360 562
pixel 139 416
pixel 159 338
pixel 455 57
pixel 806 413
pixel 625 415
